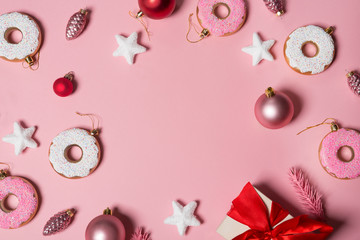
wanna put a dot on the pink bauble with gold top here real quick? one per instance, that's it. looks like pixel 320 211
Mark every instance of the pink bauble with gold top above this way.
pixel 274 109
pixel 105 227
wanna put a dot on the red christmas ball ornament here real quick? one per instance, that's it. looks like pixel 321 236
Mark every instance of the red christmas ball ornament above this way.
pixel 157 9
pixel 63 87
pixel 274 110
pixel 105 227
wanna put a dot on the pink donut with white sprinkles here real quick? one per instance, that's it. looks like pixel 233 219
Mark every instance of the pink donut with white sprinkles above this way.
pixel 218 26
pixel 27 206
pixel 329 151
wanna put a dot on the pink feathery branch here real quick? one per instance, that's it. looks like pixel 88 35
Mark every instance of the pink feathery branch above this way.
pixel 310 198
pixel 140 235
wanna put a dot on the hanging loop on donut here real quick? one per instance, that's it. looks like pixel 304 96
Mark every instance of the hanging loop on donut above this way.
pixel 332 122
pixel 93 118
pixel 139 16
pixel 203 34
pixel 31 61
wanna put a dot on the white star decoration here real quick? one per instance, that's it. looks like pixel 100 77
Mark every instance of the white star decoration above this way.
pixel 21 138
pixel 259 50
pixel 183 216
pixel 128 47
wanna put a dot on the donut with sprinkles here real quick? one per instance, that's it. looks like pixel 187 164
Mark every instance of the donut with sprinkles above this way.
pixel 63 164
pixel 324 43
pixel 216 25
pixel 329 153
pixel 27 206
pixel 31 36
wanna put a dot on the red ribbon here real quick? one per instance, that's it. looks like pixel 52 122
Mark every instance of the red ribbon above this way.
pixel 249 209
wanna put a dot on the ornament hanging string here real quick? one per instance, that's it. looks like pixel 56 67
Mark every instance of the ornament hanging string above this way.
pixel 139 16
pixel 325 122
pixel 6 164
pixel 204 33
pixel 30 61
pixel 93 118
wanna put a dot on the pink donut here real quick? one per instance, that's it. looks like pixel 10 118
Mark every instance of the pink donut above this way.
pixel 328 153
pixel 27 206
pixel 217 26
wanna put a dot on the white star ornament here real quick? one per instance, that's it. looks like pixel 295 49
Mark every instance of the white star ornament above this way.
pixel 21 138
pixel 183 217
pixel 259 49
pixel 128 47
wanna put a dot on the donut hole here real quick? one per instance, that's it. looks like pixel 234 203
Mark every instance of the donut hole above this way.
pixel 9 203
pixel 13 35
pixel 73 153
pixel 346 153
pixel 221 10
pixel 310 49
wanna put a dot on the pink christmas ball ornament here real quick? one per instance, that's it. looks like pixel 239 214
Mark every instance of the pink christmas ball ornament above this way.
pixel 105 227
pixel 274 109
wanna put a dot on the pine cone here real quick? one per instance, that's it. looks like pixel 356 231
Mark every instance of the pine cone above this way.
pixel 354 82
pixel 76 24
pixel 58 222
pixel 275 6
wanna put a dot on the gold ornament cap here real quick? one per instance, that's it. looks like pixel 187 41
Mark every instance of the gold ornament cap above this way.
pixel 330 30
pixel 30 60
pixel 334 127
pixel 69 75
pixel 107 211
pixel 70 212
pixel 269 92
pixel 3 174
pixel 279 13
pixel 94 132
pixel 139 14
pixel 349 74
pixel 83 11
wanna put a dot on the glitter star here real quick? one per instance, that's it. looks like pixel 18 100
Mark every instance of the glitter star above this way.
pixel 259 50
pixel 183 217
pixel 21 138
pixel 128 47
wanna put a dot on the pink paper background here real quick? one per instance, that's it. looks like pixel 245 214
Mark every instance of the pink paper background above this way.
pixel 179 123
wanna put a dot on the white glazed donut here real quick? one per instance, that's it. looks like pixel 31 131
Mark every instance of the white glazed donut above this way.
pixel 31 36
pixel 60 161
pixel 309 34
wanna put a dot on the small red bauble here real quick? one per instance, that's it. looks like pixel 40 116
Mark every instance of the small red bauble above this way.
pixel 274 110
pixel 63 87
pixel 157 9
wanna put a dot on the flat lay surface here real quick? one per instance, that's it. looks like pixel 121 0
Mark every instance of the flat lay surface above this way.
pixel 178 124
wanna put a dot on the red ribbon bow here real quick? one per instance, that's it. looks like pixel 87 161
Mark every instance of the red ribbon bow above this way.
pixel 249 209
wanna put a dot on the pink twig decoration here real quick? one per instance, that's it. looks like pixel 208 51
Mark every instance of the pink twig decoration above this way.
pixel 309 196
pixel 139 235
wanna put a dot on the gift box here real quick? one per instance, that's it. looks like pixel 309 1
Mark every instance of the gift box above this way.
pixel 255 216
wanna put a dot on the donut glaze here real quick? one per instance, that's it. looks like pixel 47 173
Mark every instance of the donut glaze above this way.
pixel 27 206
pixel 90 153
pixel 31 36
pixel 328 153
pixel 309 65
pixel 217 26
